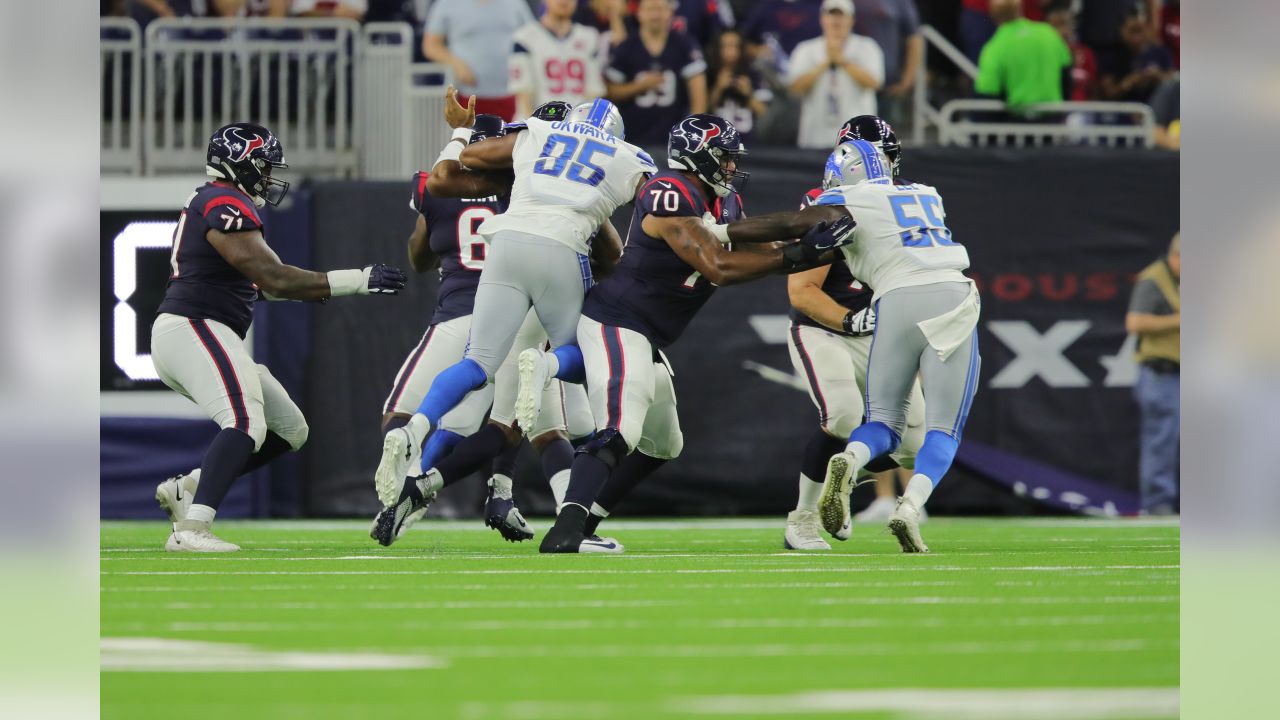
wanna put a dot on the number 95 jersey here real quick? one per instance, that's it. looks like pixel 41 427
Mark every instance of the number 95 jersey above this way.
pixel 901 239
pixel 570 177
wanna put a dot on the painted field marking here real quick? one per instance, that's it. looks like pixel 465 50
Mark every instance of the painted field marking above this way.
pixel 148 654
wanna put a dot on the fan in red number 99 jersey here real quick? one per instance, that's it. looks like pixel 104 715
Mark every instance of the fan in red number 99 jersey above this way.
pixel 555 58
pixel 221 265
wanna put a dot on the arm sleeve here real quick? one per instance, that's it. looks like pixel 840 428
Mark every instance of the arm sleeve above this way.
pixel 1146 298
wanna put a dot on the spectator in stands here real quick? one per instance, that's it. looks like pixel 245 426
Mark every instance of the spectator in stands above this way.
pixel 837 74
pixel 347 9
pixel 1084 65
pixel 656 76
pixel 554 58
pixel 253 8
pixel 144 11
pixel 702 20
pixel 1135 74
pixel 1155 316
pixel 737 92
pixel 473 37
pixel 1165 104
pixel 1170 29
pixel 1101 22
pixel 895 26
pixel 976 25
pixel 1025 62
pixel 606 16
pixel 775 27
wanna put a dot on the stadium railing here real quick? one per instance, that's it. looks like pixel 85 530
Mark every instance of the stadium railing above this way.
pixel 402 104
pixel 294 75
pixel 120 48
pixel 975 122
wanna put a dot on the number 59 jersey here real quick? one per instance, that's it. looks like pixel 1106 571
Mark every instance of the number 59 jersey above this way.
pixel 569 178
pixel 901 238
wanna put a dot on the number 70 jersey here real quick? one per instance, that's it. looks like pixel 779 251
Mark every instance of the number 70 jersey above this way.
pixel 901 238
pixel 569 178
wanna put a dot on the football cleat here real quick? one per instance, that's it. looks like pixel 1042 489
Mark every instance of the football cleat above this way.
pixel 802 532
pixel 878 511
pixel 574 542
pixel 201 540
pixel 833 504
pixel 175 495
pixel 502 515
pixel 904 523
pixel 401 450
pixel 533 379
pixel 597 544
pixel 392 521
pixel 845 531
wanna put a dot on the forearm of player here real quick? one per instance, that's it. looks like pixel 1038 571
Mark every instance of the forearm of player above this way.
pixel 606 250
pixel 493 154
pixel 421 259
pixel 779 225
pixel 450 179
pixel 1148 324
pixel 804 289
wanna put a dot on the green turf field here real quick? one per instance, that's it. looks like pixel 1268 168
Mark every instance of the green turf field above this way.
pixel 1005 619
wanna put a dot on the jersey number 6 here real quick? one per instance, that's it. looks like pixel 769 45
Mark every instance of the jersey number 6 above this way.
pixel 554 159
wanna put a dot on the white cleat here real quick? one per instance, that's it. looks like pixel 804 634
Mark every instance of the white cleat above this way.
pixel 531 367
pixel 878 511
pixel 845 531
pixel 597 544
pixel 401 450
pixel 833 504
pixel 904 523
pixel 802 532
pixel 201 541
pixel 175 495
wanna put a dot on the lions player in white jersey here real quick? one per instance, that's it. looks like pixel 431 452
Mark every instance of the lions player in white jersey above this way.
pixel 554 58
pixel 570 176
pixel 926 323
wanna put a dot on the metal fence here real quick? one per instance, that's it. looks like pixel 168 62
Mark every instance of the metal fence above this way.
pixel 987 123
pixel 121 54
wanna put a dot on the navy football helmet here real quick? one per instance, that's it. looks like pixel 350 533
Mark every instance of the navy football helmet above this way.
pixel 245 154
pixel 700 144
pixel 876 131
pixel 552 110
pixel 487 126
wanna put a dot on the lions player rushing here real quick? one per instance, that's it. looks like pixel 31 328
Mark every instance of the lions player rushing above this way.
pixel 671 266
pixel 570 175
pixel 926 324
pixel 829 340
pixel 445 235
pixel 221 264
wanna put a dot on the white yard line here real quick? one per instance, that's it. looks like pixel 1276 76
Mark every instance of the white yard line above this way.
pixel 147 654
pixel 612 569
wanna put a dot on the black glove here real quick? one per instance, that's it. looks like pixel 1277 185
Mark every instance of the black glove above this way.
pixel 860 323
pixel 384 279
pixel 829 235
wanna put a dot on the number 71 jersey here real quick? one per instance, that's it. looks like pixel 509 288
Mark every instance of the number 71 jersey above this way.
pixel 901 238
pixel 569 178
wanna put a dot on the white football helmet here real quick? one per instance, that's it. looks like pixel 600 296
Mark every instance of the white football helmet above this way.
pixel 599 113
pixel 854 161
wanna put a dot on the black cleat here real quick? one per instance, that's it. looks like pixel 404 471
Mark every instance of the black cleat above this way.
pixel 392 521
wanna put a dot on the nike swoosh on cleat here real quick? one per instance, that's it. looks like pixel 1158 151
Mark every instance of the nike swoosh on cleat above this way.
pixel 606 546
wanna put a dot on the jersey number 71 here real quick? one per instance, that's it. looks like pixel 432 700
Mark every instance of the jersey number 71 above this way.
pixel 554 159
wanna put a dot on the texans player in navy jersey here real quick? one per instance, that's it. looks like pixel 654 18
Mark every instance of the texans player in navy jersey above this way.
pixel 671 265
pixel 221 264
pixel 829 341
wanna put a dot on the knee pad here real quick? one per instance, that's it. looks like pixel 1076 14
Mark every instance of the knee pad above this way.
pixel 296 436
pixel 608 445
pixel 842 421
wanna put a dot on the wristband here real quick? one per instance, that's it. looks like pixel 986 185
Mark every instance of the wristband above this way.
pixel 719 232
pixel 347 282
pixel 451 151
pixel 463 134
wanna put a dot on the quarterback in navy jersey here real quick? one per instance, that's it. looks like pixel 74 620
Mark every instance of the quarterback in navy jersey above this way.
pixel 829 342
pixel 220 265
pixel 671 264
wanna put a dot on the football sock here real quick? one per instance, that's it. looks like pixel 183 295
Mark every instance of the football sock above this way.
pixel 594 518
pixel 472 453
pixel 919 489
pixel 200 514
pixel 505 463
pixel 935 456
pixel 570 366
pixel 450 387
pixel 813 468
pixel 227 456
pixel 437 447
pixel 501 485
pixel 875 439
pixel 557 461
pixel 273 447
pixel 633 469
pixel 588 476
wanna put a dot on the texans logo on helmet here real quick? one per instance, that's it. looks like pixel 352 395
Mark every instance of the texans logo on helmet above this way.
pixel 706 134
pixel 240 144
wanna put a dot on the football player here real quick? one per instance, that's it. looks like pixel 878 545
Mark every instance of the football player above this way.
pixel 569 177
pixel 830 336
pixel 926 324
pixel 554 57
pixel 671 266
pixel 220 265
pixel 445 237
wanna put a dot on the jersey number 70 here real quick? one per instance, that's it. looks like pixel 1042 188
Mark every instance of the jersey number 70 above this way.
pixel 554 159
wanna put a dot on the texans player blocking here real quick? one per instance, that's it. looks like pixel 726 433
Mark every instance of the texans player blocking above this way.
pixel 829 340
pixel 926 323
pixel 449 220
pixel 570 176
pixel 221 264
pixel 554 57
pixel 671 266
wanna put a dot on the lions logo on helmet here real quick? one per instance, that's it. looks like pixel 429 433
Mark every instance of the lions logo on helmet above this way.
pixel 852 162
pixel 876 131
pixel 244 154
pixel 700 144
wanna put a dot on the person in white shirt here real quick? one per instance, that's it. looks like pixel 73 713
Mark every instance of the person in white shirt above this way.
pixel 554 58
pixel 837 75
